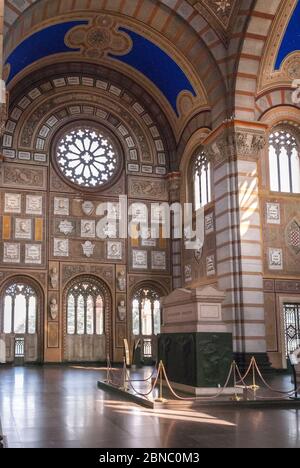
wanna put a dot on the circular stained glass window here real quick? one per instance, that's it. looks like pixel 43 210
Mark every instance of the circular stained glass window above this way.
pixel 87 157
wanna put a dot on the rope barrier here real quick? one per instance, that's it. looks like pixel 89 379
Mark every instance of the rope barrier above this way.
pixel 153 386
pixel 151 376
pixel 125 382
pixel 197 398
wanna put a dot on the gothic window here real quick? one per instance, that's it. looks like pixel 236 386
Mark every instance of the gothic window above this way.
pixel 20 310
pixel 85 309
pixel 284 162
pixel 87 157
pixel 146 313
pixel 201 181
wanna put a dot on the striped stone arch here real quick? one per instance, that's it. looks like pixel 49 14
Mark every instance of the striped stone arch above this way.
pixel 235 46
pixel 282 115
pixel 202 120
pixel 198 47
pixel 251 55
pixel 56 98
pixel 275 98
pixel 34 118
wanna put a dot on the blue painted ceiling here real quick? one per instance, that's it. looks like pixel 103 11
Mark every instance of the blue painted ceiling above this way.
pixel 291 39
pixel 145 56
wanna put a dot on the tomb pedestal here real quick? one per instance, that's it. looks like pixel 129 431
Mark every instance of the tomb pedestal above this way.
pixel 196 344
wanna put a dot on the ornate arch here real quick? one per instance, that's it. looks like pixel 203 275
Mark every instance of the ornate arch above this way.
pixel 261 31
pixel 150 284
pixel 51 101
pixel 198 51
pixel 108 307
pixel 192 146
pixel 278 115
pixel 36 286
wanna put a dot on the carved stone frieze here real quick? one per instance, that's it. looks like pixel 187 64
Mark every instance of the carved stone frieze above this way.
pixel 14 175
pixel 148 188
pixel 287 286
pixel 106 272
pixel 31 124
pixel 164 281
pixel 41 277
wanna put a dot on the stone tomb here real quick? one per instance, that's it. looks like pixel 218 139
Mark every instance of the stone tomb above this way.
pixel 196 344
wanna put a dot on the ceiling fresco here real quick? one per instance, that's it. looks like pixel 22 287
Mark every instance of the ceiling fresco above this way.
pixel 291 39
pixel 142 55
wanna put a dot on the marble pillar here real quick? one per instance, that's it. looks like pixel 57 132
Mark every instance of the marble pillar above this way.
pixel 235 149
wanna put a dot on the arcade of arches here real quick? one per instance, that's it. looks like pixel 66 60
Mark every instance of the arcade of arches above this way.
pixel 161 101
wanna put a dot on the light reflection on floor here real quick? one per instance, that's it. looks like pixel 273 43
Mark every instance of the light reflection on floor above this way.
pixel 62 407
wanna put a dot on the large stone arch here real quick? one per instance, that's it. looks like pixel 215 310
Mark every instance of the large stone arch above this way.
pixel 250 67
pixel 197 49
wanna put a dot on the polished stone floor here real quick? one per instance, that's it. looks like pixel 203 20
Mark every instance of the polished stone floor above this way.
pixel 53 407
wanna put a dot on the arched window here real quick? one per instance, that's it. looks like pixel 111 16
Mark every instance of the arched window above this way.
pixel 20 310
pixel 85 309
pixel 284 162
pixel 201 181
pixel 146 313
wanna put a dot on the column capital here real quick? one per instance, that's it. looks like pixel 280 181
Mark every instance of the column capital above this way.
pixel 236 139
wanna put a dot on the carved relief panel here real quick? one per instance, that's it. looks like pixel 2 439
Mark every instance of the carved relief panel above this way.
pixel 23 229
pixel 281 235
pixel 201 265
pixel 77 231
pixel 148 249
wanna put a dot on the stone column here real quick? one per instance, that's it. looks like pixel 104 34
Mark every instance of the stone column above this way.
pixel 235 149
pixel 174 185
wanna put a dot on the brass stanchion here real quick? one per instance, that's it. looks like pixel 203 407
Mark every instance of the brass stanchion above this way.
pixel 108 370
pixel 161 398
pixel 254 387
pixel 235 397
pixel 124 386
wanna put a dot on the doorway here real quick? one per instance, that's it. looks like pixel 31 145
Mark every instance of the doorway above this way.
pixel 20 312
pixel 88 306
pixel 146 321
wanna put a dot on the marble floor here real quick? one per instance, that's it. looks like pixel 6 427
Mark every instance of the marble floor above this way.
pixel 61 407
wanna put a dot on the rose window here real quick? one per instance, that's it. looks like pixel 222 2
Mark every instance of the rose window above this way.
pixel 87 157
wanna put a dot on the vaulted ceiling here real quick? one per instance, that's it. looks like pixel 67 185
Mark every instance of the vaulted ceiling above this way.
pixel 191 56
